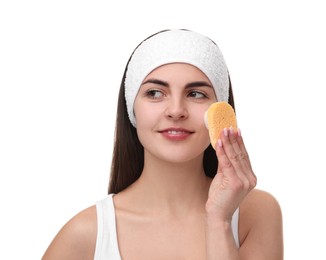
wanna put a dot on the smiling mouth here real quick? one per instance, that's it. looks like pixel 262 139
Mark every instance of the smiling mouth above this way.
pixel 174 132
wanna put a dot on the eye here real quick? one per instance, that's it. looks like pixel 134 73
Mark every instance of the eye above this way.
pixel 154 94
pixel 197 94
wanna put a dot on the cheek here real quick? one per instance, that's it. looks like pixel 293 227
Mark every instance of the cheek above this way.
pixel 146 118
pixel 198 117
pixel 145 115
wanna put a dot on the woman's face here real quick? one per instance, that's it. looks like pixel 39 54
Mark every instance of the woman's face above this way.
pixel 169 110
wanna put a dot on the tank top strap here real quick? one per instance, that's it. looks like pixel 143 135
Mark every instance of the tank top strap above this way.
pixel 235 227
pixel 106 242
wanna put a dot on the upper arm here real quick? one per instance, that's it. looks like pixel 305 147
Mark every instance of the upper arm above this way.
pixel 260 227
pixel 76 239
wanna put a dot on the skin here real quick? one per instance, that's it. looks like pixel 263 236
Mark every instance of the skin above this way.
pixel 173 211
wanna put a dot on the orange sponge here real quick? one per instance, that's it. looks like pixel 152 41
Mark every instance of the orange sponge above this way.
pixel 219 116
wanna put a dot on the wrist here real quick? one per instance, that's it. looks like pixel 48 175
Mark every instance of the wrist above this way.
pixel 214 220
pixel 220 242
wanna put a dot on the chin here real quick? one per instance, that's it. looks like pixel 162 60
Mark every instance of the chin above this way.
pixel 180 156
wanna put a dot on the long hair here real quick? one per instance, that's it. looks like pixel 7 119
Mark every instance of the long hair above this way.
pixel 128 152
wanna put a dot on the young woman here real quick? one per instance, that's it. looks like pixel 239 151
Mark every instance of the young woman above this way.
pixel 171 194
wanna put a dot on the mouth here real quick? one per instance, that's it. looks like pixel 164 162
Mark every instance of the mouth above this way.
pixel 176 134
pixel 174 130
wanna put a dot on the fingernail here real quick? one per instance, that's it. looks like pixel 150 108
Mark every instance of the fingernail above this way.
pixel 219 143
pixel 225 130
pixel 239 132
pixel 231 130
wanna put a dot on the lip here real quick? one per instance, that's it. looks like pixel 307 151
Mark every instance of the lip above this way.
pixel 176 134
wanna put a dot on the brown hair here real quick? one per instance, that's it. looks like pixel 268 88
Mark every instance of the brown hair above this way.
pixel 128 152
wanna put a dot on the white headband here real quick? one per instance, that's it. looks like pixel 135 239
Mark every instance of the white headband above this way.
pixel 175 46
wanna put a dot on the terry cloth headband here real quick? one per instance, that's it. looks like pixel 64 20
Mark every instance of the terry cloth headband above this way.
pixel 170 47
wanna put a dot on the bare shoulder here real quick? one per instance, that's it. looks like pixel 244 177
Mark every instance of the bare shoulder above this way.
pixel 76 239
pixel 260 226
pixel 260 201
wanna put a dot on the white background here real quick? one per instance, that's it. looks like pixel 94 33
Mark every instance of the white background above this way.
pixel 61 63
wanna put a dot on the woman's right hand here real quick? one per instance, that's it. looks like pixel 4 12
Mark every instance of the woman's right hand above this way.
pixel 234 179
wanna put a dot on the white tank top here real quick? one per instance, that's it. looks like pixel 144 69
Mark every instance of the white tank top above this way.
pixel 107 242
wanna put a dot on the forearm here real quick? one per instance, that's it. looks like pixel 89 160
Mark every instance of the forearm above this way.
pixel 220 242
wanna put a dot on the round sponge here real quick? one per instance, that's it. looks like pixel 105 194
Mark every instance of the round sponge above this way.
pixel 219 115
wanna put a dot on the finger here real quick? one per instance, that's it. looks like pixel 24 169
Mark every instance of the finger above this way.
pixel 224 164
pixel 238 159
pixel 227 169
pixel 246 164
pixel 233 137
pixel 232 150
pixel 223 150
pixel 240 150
pixel 241 146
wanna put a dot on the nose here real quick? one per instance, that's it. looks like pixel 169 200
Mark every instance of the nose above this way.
pixel 176 110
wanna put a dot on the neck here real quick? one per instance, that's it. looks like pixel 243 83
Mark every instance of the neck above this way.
pixel 175 187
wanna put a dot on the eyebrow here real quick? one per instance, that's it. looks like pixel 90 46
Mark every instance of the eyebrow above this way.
pixel 156 81
pixel 189 85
